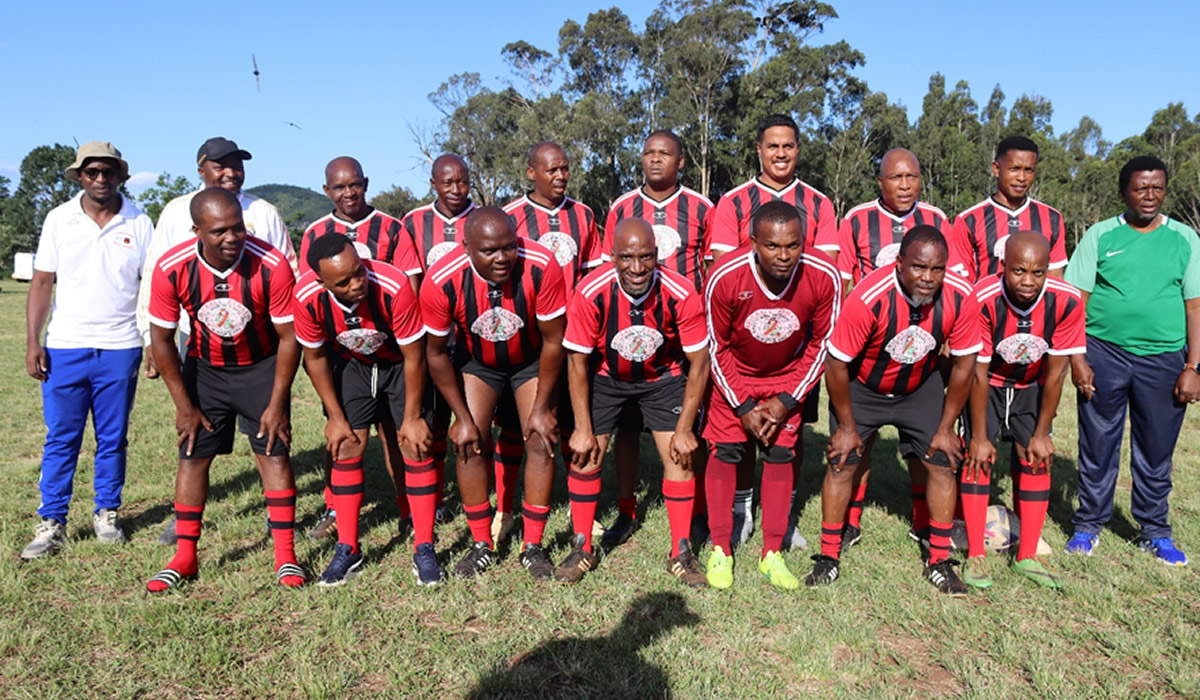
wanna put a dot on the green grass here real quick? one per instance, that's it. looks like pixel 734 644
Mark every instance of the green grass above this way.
pixel 79 624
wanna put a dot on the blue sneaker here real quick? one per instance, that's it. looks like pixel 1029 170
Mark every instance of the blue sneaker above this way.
pixel 1164 548
pixel 345 566
pixel 425 565
pixel 1081 543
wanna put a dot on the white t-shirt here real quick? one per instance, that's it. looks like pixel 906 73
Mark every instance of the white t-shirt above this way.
pixel 96 290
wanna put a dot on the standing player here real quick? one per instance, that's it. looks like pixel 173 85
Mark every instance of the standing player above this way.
pixel 1029 326
pixel 630 326
pixel 882 370
pixel 978 236
pixel 368 309
pixel 242 358
pixel 771 307
pixel 681 218
pixel 504 300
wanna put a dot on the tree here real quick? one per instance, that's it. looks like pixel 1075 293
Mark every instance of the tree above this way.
pixel 396 201
pixel 166 188
pixel 945 140
pixel 857 143
pixel 44 185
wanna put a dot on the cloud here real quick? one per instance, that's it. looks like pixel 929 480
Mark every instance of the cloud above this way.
pixel 142 179
pixel 9 168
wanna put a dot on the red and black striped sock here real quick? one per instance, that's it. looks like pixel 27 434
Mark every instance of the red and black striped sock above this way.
pixel 627 507
pixel 776 501
pixel 281 515
pixel 346 482
pixel 439 463
pixel 188 520
pixel 420 481
pixel 939 541
pixel 973 495
pixel 854 514
pixel 533 521
pixel 479 519
pixel 584 492
pixel 920 508
pixel 831 538
pixel 720 481
pixel 679 497
pixel 1033 503
pixel 506 462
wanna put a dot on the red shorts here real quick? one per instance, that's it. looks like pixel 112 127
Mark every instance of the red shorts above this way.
pixel 722 425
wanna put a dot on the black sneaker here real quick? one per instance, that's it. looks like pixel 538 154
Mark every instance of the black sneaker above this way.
pixel 534 558
pixel 618 534
pixel 404 529
pixel 345 566
pixel 477 561
pixel 442 515
pixel 577 563
pixel 921 537
pixel 850 536
pixel 425 565
pixel 824 571
pixel 944 578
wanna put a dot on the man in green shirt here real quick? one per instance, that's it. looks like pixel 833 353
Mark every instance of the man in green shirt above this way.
pixel 1140 278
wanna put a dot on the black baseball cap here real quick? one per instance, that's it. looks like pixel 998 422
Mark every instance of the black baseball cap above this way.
pixel 219 147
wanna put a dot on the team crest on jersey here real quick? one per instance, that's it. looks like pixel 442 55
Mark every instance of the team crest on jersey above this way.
pixel 562 245
pixel 364 341
pixel 225 317
pixel 363 251
pixel 667 239
pixel 438 251
pixel 637 343
pixel 123 240
pixel 772 325
pixel 998 249
pixel 1022 349
pixel 887 254
pixel 497 325
pixel 910 345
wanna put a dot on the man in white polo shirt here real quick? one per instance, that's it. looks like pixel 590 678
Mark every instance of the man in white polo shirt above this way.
pixel 92 249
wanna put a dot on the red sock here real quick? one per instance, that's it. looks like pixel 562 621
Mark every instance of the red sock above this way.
pixel 584 492
pixel 627 507
pixel 188 520
pixel 831 539
pixel 679 496
pixel 776 502
pixel 328 498
pixel 506 462
pixel 439 463
pixel 920 508
pixel 281 515
pixel 973 495
pixel 854 514
pixel 420 481
pixel 346 481
pixel 479 519
pixel 1034 500
pixel 720 481
pixel 402 504
pixel 533 521
pixel 939 541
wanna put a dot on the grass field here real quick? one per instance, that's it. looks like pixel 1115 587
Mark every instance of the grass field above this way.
pixel 79 624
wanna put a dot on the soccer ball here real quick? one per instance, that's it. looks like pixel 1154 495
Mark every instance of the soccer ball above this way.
pixel 1003 529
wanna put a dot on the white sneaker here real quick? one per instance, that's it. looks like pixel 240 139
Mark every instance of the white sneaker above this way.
pixel 48 538
pixel 502 524
pixel 108 530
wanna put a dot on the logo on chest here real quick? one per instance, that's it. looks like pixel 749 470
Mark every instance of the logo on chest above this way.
pixel 122 240
pixel 910 345
pixel 668 241
pixel 497 325
pixel 563 246
pixel 1022 349
pixel 637 343
pixel 364 341
pixel 363 251
pixel 438 251
pixel 772 325
pixel 887 254
pixel 225 317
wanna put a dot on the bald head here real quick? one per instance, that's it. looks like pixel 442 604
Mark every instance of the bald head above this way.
pixel 544 147
pixel 212 200
pixel 1026 264
pixel 485 222
pixel 1027 245
pixel 448 161
pixel 632 231
pixel 343 164
pixel 346 187
pixel 635 255
pixel 899 181
pixel 491 243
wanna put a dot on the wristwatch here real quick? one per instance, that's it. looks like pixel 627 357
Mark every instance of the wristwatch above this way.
pixel 1194 366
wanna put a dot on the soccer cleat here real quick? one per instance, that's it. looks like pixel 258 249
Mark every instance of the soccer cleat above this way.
pixel 824 572
pixel 166 580
pixel 976 574
pixel 107 528
pixel 1164 548
pixel 618 533
pixel 850 536
pixel 720 569
pixel 1081 543
pixel 325 528
pixel 345 566
pixel 442 515
pixel 943 577
pixel 167 537
pixel 48 538
pixel 743 527
pixel 792 539
pixel 685 568
pixel 921 536
pixel 477 561
pixel 287 569
pixel 502 525
pixel 1035 570
pixel 535 560
pixel 425 565
pixel 775 569
pixel 577 563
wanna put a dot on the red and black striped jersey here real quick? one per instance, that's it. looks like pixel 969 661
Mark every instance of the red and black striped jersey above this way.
pixel 757 337
pixel 1015 341
pixel 371 330
pixel 731 222
pixel 494 322
pixel 869 236
pixel 681 228
pixel 232 312
pixel 891 343
pixel 376 237
pixel 979 234
pixel 433 234
pixel 639 340
pixel 568 231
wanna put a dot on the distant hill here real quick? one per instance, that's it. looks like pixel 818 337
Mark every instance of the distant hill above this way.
pixel 299 206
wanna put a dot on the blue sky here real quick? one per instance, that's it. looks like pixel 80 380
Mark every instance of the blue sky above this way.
pixel 158 78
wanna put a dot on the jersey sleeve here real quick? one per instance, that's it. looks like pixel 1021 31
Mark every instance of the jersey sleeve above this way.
pixel 851 330
pixel 1070 335
pixel 723 234
pixel 706 233
pixel 809 367
pixel 405 256
pixel 964 335
pixel 552 295
pixel 961 260
pixel 1191 273
pixel 435 309
pixel 987 327
pixel 408 325
pixel 282 286
pixel 309 331
pixel 1081 271
pixel 720 334
pixel 583 325
pixel 847 250
pixel 163 308
pixel 305 242
pixel 693 334
pixel 593 249
pixel 826 238
pixel 46 258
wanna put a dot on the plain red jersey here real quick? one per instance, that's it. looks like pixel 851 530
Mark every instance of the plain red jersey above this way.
pixel 376 236
pixel 568 231
pixel 891 343
pixel 371 330
pixel 638 340
pixel 979 234
pixel 869 236
pixel 1015 341
pixel 495 322
pixel 731 222
pixel 756 337
pixel 433 234
pixel 233 312
pixel 681 222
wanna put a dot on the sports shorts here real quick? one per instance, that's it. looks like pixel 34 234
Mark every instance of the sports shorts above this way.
pixel 1012 414
pixel 915 416
pixel 500 379
pixel 723 426
pixel 224 394
pixel 659 403
pixel 373 393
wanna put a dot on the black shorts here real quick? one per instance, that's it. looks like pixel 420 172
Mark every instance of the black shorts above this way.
pixel 1012 414
pixel 915 416
pixel 500 379
pixel 375 393
pixel 223 394
pixel 659 403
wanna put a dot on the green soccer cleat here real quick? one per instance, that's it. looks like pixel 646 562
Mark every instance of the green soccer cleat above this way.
pixel 1035 570
pixel 773 567
pixel 975 573
pixel 720 569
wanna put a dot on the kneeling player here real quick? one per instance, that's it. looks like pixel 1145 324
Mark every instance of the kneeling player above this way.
pixel 369 310
pixel 771 305
pixel 489 293
pixel 242 358
pixel 643 319
pixel 1029 325
pixel 882 370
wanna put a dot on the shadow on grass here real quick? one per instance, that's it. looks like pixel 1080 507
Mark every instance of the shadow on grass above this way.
pixel 608 666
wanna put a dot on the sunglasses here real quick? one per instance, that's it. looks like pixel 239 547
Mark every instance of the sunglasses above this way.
pixel 95 173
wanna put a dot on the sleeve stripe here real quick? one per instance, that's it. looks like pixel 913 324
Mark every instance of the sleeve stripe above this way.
pixel 172 325
pixel 308 343
pixel 838 353
pixel 718 374
pixel 817 368
pixel 967 351
pixel 553 314
pixel 435 331
pixel 582 349
pixel 1067 351
pixel 412 338
pixel 282 319
pixel 697 347
pixel 983 359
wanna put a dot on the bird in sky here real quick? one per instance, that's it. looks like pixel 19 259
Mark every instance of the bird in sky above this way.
pixel 257 82
pixel 293 124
